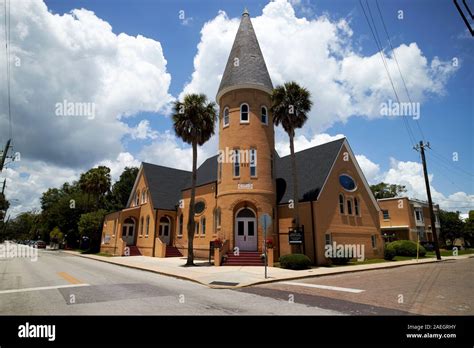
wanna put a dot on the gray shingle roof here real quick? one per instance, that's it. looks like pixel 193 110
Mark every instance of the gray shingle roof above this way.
pixel 313 166
pixel 251 68
pixel 165 185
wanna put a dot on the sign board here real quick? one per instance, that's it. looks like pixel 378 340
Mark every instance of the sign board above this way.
pixel 107 239
pixel 265 221
pixel 295 236
pixel 248 186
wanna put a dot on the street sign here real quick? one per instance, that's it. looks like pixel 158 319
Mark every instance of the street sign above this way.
pixel 265 221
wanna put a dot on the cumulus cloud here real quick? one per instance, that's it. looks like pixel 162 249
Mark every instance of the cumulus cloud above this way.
pixel 143 131
pixel 301 142
pixel 77 58
pixel 124 159
pixel 320 55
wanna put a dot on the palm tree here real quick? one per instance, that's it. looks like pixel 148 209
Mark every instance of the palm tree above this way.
pixel 291 104
pixel 194 120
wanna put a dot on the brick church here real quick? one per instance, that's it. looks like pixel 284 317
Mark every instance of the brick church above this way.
pixel 335 205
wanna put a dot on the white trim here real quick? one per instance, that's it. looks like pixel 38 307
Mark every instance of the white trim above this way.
pixel 242 86
pixel 393 227
pixel 42 288
pixel 224 125
pixel 266 114
pixel 135 184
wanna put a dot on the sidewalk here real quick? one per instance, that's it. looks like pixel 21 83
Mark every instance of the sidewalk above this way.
pixel 239 276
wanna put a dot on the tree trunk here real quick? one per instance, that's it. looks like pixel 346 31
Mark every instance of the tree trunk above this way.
pixel 190 261
pixel 296 216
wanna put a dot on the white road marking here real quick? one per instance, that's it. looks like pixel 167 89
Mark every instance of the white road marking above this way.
pixel 326 287
pixel 42 288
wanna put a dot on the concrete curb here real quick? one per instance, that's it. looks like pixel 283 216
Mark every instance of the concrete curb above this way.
pixel 335 272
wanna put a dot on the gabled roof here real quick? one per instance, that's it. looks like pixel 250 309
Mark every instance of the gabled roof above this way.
pixel 164 185
pixel 245 66
pixel 206 173
pixel 313 167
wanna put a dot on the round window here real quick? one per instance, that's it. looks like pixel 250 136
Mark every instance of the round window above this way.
pixel 199 207
pixel 347 182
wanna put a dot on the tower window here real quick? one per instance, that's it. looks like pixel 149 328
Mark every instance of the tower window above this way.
pixel 236 162
pixel 264 115
pixel 244 113
pixel 219 171
pixel 253 162
pixel 226 117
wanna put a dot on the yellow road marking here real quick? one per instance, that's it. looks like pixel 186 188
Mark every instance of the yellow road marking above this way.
pixel 69 278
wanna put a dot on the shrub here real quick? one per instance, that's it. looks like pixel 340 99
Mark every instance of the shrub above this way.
pixel 295 261
pixel 340 260
pixel 406 248
pixel 389 252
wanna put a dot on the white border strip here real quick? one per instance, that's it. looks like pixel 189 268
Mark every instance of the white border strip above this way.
pixel 326 287
pixel 41 288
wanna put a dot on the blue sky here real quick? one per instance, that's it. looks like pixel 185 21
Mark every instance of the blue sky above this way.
pixel 435 27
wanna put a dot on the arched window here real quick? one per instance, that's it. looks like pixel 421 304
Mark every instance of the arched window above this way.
pixel 203 225
pixel 226 117
pixel 264 115
pixel 244 113
pixel 246 213
pixel 137 198
pixel 236 162
pixel 349 206
pixel 141 226
pixel 180 225
pixel 341 203
pixel 219 171
pixel 164 229
pixel 356 206
pixel 144 196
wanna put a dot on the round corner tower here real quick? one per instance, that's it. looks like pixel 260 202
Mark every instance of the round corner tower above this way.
pixel 246 183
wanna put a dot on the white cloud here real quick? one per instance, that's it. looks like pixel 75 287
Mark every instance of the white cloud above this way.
pixel 143 131
pixel 76 57
pixel 282 144
pixel 28 180
pixel 370 169
pixel 319 54
pixel 124 159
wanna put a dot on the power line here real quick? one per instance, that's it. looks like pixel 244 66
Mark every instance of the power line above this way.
pixel 398 65
pixel 440 165
pixel 448 162
pixel 7 61
pixel 379 47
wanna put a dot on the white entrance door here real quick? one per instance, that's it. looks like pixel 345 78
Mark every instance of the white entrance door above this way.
pixel 164 230
pixel 246 233
pixel 128 233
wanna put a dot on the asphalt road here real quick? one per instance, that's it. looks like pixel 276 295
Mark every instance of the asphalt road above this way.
pixel 59 283
pixel 443 288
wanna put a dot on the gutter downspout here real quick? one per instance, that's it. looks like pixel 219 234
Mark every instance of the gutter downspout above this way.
pixel 314 234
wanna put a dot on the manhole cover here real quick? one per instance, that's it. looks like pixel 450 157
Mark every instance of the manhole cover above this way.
pixel 224 283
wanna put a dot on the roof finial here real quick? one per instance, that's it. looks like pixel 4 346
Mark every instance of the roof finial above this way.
pixel 246 12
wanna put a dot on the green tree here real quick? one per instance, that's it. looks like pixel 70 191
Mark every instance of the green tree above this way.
pixel 468 229
pixel 194 121
pixel 384 190
pixel 451 226
pixel 56 236
pixel 122 188
pixel 96 183
pixel 291 104
pixel 90 225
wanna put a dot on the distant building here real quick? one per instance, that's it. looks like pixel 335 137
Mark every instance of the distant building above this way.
pixel 407 218
pixel 335 203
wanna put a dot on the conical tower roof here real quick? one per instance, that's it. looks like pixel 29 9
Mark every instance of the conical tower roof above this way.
pixel 246 66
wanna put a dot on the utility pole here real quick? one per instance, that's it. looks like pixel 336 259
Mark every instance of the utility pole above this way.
pixel 421 147
pixel 3 156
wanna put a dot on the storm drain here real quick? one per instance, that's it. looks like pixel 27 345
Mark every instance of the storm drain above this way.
pixel 223 283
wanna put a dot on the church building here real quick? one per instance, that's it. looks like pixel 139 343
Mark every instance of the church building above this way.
pixel 246 180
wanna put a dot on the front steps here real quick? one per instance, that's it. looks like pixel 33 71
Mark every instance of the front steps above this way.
pixel 245 258
pixel 172 251
pixel 134 251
